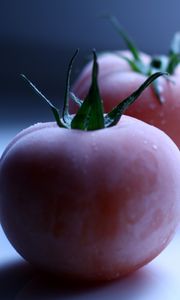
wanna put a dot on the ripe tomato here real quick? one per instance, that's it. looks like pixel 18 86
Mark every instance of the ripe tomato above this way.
pixel 122 72
pixel 92 204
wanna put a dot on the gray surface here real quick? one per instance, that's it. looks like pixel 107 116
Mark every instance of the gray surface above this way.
pixel 158 280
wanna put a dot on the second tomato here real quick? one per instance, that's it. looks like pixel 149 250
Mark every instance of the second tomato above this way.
pixel 121 72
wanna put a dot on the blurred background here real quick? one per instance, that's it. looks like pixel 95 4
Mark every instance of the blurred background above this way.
pixel 38 37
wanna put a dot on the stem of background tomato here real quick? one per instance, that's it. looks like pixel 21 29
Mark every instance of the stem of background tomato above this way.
pixel 159 63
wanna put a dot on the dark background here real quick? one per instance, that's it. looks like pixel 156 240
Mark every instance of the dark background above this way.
pixel 38 38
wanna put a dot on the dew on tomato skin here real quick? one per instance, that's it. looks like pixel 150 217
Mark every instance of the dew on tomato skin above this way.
pixel 154 147
pixel 117 275
pixel 160 88
pixel 162 99
pixel 94 145
pixel 152 106
pixel 75 162
pixel 163 122
pixel 161 114
pixel 86 159
pixel 165 241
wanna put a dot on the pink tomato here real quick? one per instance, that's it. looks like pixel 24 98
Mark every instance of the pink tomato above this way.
pixel 121 72
pixel 86 199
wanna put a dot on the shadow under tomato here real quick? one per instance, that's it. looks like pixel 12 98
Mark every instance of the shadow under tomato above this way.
pixel 13 276
pixel 50 287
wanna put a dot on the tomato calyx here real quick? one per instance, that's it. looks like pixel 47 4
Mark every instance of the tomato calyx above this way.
pixel 90 115
pixel 159 63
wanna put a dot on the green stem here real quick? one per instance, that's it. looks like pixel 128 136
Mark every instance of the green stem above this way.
pixel 90 115
pixel 114 116
pixel 52 107
pixel 158 64
pixel 65 111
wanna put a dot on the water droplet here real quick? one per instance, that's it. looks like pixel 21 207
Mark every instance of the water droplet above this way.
pixel 154 147
pixel 145 142
pixel 160 88
pixel 152 106
pixel 161 114
pixel 162 99
pixel 163 122
pixel 95 146
pixel 117 275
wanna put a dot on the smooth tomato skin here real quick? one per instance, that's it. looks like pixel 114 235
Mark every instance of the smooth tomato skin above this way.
pixel 117 81
pixel 90 205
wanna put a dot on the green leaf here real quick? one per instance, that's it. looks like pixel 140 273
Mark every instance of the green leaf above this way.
pixel 55 111
pixel 174 53
pixel 157 91
pixel 90 114
pixel 175 44
pixel 131 62
pixel 136 66
pixel 114 116
pixel 174 60
pixel 66 117
pixel 158 64
pixel 136 62
pixel 130 44
pixel 78 101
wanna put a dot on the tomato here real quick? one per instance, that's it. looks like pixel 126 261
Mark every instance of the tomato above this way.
pixel 158 105
pixel 92 203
